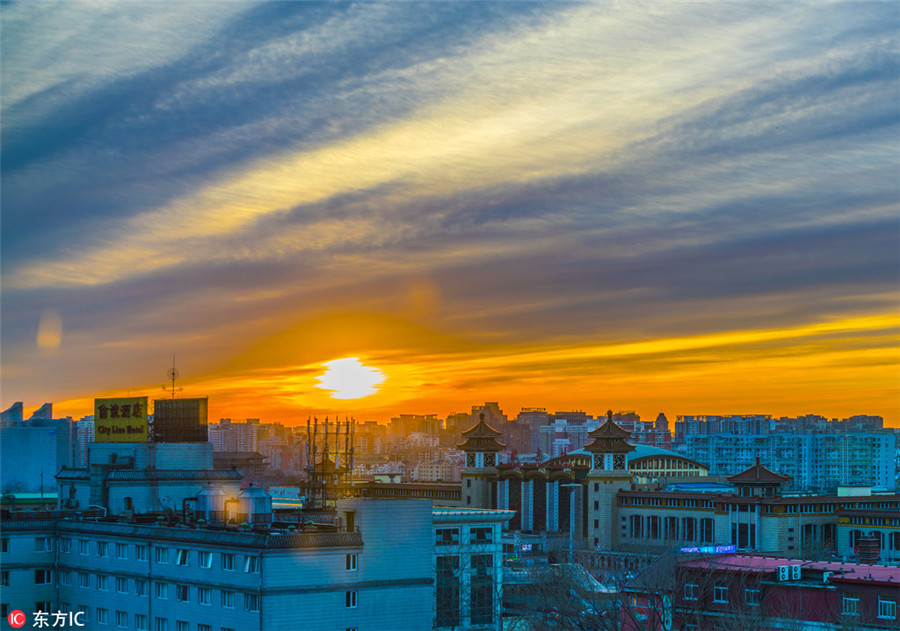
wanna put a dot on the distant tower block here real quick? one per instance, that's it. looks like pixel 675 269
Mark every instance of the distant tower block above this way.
pixel 481 448
pixel 608 475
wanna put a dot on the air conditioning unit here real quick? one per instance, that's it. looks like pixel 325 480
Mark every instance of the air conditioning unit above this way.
pixel 784 573
pixel 795 572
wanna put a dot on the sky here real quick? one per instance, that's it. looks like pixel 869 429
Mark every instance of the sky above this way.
pixel 385 208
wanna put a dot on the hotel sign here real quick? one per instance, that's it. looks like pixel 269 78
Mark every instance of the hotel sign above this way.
pixel 710 550
pixel 120 420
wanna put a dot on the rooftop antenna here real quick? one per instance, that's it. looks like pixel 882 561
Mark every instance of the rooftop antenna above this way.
pixel 172 374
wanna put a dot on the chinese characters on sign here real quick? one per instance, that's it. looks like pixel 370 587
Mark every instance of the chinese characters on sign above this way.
pixel 44 620
pixel 120 420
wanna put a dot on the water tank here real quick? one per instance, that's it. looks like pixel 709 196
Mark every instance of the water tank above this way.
pixel 868 549
pixel 254 506
pixel 211 504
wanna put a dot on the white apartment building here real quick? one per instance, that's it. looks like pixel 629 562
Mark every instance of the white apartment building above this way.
pixel 818 462
pixel 374 574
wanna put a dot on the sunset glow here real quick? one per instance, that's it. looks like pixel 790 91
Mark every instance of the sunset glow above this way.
pixel 349 379
pixel 382 208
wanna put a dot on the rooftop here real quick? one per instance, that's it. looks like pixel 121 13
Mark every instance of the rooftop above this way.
pixel 842 572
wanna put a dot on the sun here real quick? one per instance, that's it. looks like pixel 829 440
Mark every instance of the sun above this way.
pixel 348 378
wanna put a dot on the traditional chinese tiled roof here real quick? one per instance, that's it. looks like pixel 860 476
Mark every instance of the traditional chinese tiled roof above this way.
pixel 609 438
pixel 758 474
pixel 482 437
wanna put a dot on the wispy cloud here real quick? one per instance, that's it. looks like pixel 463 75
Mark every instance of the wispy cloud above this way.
pixel 552 171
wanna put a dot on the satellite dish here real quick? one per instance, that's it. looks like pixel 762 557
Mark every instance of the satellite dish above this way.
pixel 172 373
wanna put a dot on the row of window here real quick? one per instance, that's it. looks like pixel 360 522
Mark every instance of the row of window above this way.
pixel 720 594
pixel 670 528
pixel 660 501
pixel 182 556
pixel 448 536
pixel 182 592
pixel 887 609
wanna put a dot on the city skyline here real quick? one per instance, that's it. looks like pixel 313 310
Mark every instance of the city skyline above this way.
pixel 688 209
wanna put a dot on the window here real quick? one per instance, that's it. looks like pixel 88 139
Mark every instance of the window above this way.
pixel 122 619
pixel 182 593
pixel 140 622
pixel 887 609
pixel 65 545
pixel 162 590
pixel 42 577
pixel 84 579
pixel 121 585
pixel 751 596
pixel 83 546
pixel 102 549
pixel 182 625
pixel 102 615
pixel 162 624
pixel 204 627
pixel 481 535
pixel 690 591
pixel 85 615
pixel 352 560
pixel 251 602
pixel 65 577
pixel 103 582
pixel 447 591
pixel 4 546
pixel 140 553
pixel 43 605
pixel 204 559
pixel 162 556
pixel 140 587
pixel 482 589
pixel 4 578
pixel 43 544
pixel 445 536
pixel 204 595
pixel 182 557
pixel 227 561
pixel 850 604
pixel 350 600
pixel 121 551
pixel 251 564
pixel 720 594
pixel 228 600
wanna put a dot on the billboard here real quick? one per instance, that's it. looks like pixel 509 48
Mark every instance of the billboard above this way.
pixel 120 420
pixel 180 421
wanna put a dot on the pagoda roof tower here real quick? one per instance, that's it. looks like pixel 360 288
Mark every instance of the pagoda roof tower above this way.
pixel 609 438
pixel 481 437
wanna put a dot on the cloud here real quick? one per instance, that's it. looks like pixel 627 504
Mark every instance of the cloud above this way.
pixel 549 172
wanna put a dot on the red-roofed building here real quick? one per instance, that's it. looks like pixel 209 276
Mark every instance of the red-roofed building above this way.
pixel 740 591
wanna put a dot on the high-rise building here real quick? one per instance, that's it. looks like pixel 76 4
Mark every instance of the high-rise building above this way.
pixel 821 458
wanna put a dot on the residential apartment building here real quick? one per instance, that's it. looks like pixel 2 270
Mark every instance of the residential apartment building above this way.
pixel 816 462
pixel 818 455
pixel 371 574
